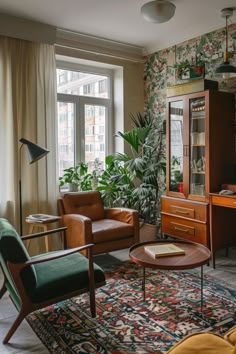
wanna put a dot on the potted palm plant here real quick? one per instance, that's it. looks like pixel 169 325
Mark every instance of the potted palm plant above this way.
pixel 140 174
pixel 116 184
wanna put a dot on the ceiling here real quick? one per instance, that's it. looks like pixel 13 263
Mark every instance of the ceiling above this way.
pixel 120 20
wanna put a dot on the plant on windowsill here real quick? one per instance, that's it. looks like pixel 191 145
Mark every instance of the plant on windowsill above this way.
pixel 76 178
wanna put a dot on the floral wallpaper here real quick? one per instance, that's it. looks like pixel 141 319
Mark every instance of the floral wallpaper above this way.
pixel 160 71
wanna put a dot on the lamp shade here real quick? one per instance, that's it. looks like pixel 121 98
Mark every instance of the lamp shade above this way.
pixel 158 11
pixel 226 70
pixel 35 152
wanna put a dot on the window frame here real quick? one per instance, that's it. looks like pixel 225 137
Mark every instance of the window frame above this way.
pixel 80 102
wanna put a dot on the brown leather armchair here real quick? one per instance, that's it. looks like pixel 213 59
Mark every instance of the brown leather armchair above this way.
pixel 87 221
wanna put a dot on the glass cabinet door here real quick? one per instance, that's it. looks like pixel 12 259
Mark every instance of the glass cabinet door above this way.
pixel 176 146
pixel 197 125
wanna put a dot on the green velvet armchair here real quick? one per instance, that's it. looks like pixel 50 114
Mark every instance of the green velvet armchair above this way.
pixel 36 282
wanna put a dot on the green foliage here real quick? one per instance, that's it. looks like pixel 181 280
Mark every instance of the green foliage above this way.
pixel 151 171
pixel 115 184
pixel 136 180
pixel 133 180
pixel 77 175
pixel 131 137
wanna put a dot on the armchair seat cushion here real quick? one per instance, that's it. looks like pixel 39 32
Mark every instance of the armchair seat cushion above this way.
pixel 107 230
pixel 58 277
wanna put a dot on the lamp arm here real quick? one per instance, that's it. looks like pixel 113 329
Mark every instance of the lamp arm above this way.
pixel 226 33
pixel 227 54
pixel 20 192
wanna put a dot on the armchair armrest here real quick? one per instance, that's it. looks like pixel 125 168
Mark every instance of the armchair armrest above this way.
pixel 129 216
pixel 50 257
pixel 79 230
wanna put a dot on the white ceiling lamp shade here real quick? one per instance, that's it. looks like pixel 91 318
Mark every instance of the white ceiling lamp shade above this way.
pixel 226 70
pixel 158 11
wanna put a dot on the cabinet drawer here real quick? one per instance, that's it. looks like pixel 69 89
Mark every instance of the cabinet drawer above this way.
pixel 187 229
pixel 223 201
pixel 184 209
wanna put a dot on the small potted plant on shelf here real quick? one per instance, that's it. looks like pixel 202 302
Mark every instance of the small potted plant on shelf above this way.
pixel 190 70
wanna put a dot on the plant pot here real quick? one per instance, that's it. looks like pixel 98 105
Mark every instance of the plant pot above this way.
pixel 72 187
pixel 147 232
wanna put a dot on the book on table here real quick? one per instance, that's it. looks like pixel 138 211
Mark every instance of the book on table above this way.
pixel 164 250
pixel 42 218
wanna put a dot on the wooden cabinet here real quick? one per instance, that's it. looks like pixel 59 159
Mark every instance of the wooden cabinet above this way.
pixel 200 157
pixel 185 219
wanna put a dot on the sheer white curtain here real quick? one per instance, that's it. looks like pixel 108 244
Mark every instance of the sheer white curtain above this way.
pixel 27 109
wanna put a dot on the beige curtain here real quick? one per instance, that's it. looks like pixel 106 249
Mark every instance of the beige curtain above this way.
pixel 27 109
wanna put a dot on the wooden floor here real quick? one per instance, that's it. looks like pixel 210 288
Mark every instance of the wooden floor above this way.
pixel 25 341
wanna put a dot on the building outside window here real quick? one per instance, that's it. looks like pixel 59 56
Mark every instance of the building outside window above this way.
pixel 89 130
pixel 83 117
pixel 102 86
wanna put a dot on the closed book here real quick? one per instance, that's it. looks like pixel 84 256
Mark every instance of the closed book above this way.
pixel 164 250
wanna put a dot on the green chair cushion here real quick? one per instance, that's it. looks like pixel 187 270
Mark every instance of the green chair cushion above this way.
pixel 62 275
pixel 12 249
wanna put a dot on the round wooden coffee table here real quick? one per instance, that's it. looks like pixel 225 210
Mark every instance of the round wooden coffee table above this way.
pixel 196 255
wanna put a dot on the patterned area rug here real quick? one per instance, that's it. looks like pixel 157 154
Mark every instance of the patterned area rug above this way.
pixel 126 324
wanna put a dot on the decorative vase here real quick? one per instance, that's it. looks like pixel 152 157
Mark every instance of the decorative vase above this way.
pixel 147 232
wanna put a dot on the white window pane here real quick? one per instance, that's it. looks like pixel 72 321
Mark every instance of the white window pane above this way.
pixel 65 123
pixel 83 84
pixel 94 124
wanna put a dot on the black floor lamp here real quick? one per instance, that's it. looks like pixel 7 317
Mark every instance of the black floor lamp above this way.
pixel 35 153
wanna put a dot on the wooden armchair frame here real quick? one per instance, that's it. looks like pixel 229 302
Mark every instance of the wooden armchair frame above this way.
pixel 27 306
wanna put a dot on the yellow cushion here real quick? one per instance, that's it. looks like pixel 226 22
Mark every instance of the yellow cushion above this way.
pixel 202 343
pixel 230 336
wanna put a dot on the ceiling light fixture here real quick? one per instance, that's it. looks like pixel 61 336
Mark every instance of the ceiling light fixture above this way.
pixel 226 70
pixel 158 11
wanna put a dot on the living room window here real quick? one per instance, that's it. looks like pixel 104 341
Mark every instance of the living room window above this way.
pixel 83 116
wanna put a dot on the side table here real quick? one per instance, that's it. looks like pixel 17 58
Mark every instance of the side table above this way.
pixel 44 224
pixel 196 255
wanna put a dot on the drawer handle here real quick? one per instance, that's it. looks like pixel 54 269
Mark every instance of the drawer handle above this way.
pixel 181 212
pixel 183 230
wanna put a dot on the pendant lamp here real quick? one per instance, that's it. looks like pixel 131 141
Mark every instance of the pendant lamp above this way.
pixel 226 70
pixel 158 11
